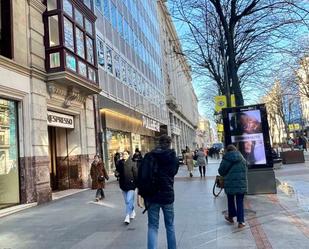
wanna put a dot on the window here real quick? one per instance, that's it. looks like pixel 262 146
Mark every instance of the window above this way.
pixel 130 75
pixel 54 60
pixel 70 62
pixel 68 34
pixel 99 5
pixel 88 26
pixel 68 8
pixel 80 43
pixel 120 23
pixel 101 58
pixel 117 66
pixel 90 52
pixel 51 5
pixel 6 43
pixel 79 18
pixel 113 15
pixel 106 10
pixel 53 30
pixel 87 3
pixel 109 59
pixel 82 69
pixel 123 71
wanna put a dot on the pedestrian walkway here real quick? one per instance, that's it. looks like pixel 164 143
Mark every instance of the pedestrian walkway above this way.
pixel 77 222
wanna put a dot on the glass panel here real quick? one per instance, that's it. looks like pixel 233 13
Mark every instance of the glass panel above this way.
pixel 101 59
pixel 99 5
pixel 82 69
pixel 134 80
pixel 53 31
pixel 120 24
pixel 106 10
pixel 54 60
pixel 113 14
pixel 87 3
pixel 117 66
pixel 90 55
pixel 51 5
pixel 79 18
pixel 70 62
pixel 109 59
pixel 124 71
pixel 9 177
pixel 91 74
pixel 88 25
pixel 80 42
pixel 67 7
pixel 130 76
pixel 68 34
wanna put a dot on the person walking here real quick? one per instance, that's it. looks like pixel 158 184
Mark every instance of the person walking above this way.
pixel 201 161
pixel 168 165
pixel 189 161
pixel 98 175
pixel 137 157
pixel 233 168
pixel 127 182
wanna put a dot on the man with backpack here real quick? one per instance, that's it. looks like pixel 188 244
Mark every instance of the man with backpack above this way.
pixel 156 185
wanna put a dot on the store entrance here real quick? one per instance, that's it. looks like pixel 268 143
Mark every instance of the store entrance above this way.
pixel 52 158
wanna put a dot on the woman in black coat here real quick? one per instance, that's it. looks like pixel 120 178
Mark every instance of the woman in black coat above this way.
pixel 127 170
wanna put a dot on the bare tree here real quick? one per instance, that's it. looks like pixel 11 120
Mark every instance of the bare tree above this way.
pixel 233 41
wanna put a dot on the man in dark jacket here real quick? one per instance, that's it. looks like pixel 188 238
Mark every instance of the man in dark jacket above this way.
pixel 167 169
pixel 233 168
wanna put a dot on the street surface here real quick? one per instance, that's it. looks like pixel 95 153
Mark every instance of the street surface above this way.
pixel 76 222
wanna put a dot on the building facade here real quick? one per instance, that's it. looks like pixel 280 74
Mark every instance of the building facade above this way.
pixel 132 110
pixel 48 71
pixel 204 133
pixel 180 97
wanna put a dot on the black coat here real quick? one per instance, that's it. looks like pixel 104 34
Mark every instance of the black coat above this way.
pixel 168 165
pixel 127 174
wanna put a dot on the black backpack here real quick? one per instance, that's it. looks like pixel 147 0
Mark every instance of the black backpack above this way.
pixel 195 156
pixel 147 181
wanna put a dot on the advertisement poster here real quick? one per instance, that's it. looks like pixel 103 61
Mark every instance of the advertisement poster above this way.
pixel 247 129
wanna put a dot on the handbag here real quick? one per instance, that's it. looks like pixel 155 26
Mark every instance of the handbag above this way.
pixel 101 178
pixel 219 181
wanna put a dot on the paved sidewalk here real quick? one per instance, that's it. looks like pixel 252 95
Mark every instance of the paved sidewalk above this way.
pixel 77 222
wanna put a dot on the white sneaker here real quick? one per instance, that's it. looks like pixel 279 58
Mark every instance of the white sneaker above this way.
pixel 132 215
pixel 127 219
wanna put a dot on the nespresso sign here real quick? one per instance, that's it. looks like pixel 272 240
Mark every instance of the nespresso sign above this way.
pixel 60 120
pixel 151 124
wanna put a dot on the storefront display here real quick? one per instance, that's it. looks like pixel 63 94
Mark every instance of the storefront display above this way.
pixel 9 175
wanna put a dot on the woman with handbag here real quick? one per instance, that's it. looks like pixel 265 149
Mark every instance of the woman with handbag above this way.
pixel 201 161
pixel 233 168
pixel 98 175
pixel 127 170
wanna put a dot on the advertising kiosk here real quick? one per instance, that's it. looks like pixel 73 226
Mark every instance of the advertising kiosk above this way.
pixel 247 128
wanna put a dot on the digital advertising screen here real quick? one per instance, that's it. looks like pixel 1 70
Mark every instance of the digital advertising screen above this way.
pixel 247 128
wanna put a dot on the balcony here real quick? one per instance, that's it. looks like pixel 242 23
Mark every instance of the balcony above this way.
pixel 70 44
pixel 171 101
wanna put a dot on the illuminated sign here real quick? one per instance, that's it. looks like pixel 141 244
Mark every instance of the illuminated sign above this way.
pixel 60 120
pixel 151 124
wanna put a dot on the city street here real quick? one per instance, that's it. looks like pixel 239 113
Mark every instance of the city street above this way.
pixel 273 221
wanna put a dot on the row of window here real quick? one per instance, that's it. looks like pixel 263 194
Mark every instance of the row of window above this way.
pixel 114 64
pixel 120 24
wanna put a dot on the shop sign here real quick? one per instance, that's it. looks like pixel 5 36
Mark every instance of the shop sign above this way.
pixel 60 120
pixel 151 124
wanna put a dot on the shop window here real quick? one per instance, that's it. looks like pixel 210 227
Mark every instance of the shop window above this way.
pixel 109 59
pixel 6 45
pixel 9 184
pixel 101 58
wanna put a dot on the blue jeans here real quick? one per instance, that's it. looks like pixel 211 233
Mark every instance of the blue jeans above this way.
pixel 129 200
pixel 236 211
pixel 153 225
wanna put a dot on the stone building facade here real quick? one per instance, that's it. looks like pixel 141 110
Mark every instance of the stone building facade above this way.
pixel 47 128
pixel 181 99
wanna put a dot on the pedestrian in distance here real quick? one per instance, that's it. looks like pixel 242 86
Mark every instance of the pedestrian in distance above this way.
pixel 127 170
pixel 137 157
pixel 201 161
pixel 189 161
pixel 167 165
pixel 233 168
pixel 98 175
